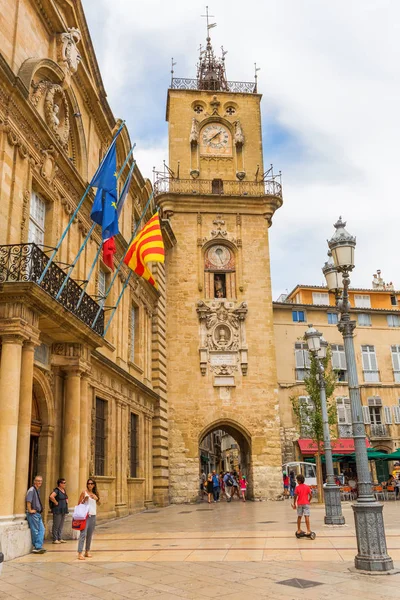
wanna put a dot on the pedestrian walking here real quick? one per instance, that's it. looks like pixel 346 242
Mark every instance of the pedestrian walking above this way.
pixel 302 498
pixel 59 507
pixel 210 487
pixel 216 487
pixel 292 483
pixel 243 487
pixel 228 481
pixel 91 496
pixel 285 485
pixel 235 487
pixel 34 511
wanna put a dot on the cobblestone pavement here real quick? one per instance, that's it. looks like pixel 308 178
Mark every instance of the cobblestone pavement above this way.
pixel 237 550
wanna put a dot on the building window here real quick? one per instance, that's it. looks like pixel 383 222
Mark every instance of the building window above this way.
pixel 362 301
pixel 219 272
pixel 37 217
pixel 100 441
pixel 302 360
pixel 393 300
pixel 101 286
pixel 396 413
pixel 320 298
pixel 332 318
pixel 339 361
pixel 343 410
pixel 393 321
pixel 364 320
pixel 134 445
pixel 370 364
pixel 298 316
pixel 396 362
pixel 133 333
pixel 217 186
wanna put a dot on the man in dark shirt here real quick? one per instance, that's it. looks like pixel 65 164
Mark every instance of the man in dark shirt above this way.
pixel 34 511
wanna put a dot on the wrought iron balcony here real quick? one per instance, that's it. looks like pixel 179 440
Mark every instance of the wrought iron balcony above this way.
pixel 345 431
pixel 243 87
pixel 217 187
pixel 379 431
pixel 22 263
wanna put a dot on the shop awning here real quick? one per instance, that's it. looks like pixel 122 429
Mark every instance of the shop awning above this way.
pixel 340 446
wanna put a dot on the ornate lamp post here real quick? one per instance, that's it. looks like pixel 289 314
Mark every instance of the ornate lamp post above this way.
pixel 333 507
pixel 368 513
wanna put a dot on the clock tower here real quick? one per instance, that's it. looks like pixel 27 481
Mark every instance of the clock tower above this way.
pixel 217 203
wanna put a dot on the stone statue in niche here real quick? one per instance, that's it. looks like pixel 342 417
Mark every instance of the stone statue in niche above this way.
pixel 194 132
pixel 219 286
pixel 239 137
pixel 54 116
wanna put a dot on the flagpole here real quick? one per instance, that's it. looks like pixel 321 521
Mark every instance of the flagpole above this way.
pixel 118 301
pixel 56 249
pixel 122 259
pixel 100 246
pixel 85 241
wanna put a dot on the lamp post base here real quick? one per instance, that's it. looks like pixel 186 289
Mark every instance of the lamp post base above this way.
pixel 371 542
pixel 333 506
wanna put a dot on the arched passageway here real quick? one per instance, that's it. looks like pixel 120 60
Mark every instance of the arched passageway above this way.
pixel 225 446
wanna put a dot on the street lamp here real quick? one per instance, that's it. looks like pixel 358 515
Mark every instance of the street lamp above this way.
pixel 333 507
pixel 368 513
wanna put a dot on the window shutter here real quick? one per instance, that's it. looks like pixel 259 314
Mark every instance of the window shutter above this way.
pixel 348 411
pixel 342 358
pixel 307 359
pixel 299 356
pixel 396 414
pixel 335 357
pixel 388 415
pixel 373 361
pixel 365 358
pixel 366 415
pixel 341 411
pixel 395 358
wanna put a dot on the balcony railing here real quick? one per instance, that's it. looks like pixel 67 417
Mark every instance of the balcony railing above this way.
pixel 243 87
pixel 379 431
pixel 345 431
pixel 371 376
pixel 217 187
pixel 21 263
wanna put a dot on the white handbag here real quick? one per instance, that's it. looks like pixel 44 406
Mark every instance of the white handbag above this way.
pixel 80 512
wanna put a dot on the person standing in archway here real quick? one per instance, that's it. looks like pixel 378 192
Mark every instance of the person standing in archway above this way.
pixel 216 487
pixel 228 481
pixel 210 487
pixel 34 511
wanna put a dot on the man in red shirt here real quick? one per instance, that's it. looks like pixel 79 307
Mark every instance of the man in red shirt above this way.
pixel 302 497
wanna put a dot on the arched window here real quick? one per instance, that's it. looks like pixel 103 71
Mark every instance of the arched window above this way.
pixel 219 272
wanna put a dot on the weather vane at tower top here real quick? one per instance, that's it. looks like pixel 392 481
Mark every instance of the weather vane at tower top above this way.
pixel 209 25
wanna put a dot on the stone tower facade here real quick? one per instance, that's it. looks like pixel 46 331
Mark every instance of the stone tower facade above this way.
pixel 221 366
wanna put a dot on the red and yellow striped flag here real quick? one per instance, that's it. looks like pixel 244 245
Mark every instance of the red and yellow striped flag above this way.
pixel 147 247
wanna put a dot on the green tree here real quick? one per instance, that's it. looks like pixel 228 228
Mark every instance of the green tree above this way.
pixel 308 412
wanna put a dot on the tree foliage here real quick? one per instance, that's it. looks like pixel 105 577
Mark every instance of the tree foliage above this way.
pixel 309 415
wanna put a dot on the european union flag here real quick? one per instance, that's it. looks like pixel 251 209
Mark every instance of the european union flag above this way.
pixel 104 209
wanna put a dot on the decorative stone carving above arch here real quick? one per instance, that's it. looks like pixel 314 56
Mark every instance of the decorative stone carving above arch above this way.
pixel 67 50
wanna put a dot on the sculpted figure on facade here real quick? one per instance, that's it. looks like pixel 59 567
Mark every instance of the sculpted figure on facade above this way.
pixel 194 132
pixel 239 137
pixel 68 53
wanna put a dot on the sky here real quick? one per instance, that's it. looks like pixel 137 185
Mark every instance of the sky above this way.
pixel 329 75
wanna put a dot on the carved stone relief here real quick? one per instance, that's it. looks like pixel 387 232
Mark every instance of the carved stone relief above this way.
pixel 55 108
pixel 68 53
pixel 222 337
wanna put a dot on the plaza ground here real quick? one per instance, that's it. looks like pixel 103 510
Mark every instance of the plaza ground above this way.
pixel 237 550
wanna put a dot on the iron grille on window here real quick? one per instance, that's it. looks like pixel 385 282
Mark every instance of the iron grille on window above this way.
pixel 100 441
pixel 134 454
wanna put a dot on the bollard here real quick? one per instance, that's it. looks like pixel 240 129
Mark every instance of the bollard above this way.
pixel 1 561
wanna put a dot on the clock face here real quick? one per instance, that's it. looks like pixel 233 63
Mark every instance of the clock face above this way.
pixel 216 139
pixel 219 257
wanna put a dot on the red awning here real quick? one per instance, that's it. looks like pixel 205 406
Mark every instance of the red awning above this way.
pixel 340 446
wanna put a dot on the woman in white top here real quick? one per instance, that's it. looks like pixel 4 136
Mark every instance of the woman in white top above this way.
pixel 92 497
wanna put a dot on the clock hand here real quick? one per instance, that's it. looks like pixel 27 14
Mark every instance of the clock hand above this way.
pixel 215 135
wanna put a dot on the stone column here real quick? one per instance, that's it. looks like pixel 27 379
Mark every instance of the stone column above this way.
pixel 10 374
pixel 71 437
pixel 148 498
pixel 24 428
pixel 84 435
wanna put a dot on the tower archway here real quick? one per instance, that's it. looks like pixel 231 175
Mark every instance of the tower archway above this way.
pixel 225 445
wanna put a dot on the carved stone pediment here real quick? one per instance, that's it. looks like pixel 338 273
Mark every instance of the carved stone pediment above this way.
pixel 222 336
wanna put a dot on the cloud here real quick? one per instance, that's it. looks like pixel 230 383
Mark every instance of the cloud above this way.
pixel 331 123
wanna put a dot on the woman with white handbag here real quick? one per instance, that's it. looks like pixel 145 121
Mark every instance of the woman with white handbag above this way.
pixel 90 497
